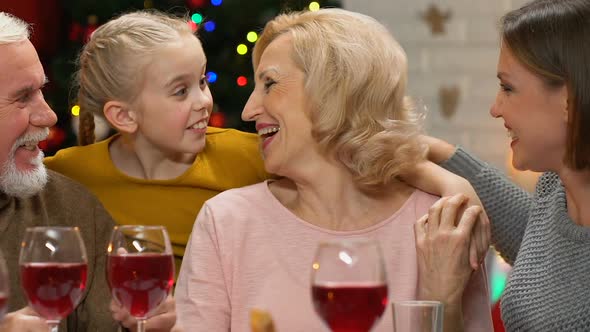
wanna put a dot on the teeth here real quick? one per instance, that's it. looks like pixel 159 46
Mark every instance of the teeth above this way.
pixel 30 146
pixel 199 125
pixel 511 134
pixel 268 130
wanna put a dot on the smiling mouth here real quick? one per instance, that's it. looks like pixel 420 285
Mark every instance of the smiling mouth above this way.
pixel 511 135
pixel 199 125
pixel 31 146
pixel 267 132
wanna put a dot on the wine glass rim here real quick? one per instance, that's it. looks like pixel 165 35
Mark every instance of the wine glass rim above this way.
pixel 418 303
pixel 140 227
pixel 45 228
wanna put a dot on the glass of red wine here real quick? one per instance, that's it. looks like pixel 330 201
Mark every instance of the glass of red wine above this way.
pixel 53 271
pixel 4 287
pixel 349 284
pixel 140 269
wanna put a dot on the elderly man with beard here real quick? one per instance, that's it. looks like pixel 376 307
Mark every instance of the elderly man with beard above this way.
pixel 32 196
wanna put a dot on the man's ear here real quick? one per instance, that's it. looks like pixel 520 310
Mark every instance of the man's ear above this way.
pixel 121 116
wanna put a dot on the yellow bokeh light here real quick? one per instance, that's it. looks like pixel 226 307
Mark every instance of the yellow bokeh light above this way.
pixel 313 6
pixel 242 49
pixel 148 4
pixel 75 110
pixel 315 266
pixel 252 36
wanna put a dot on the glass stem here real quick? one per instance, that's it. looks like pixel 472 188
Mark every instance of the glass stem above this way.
pixel 141 325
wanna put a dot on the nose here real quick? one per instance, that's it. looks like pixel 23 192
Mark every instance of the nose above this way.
pixel 203 101
pixel 253 108
pixel 495 110
pixel 42 115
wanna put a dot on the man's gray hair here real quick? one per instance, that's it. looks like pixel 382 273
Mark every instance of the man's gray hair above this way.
pixel 13 29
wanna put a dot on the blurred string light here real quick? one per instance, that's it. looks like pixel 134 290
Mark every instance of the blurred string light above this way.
pixel 313 6
pixel 197 18
pixel 192 25
pixel 498 286
pixel 196 3
pixel 211 77
pixel 242 81
pixel 498 271
pixel 76 110
pixel 209 26
pixel 216 2
pixel 252 36
pixel 242 49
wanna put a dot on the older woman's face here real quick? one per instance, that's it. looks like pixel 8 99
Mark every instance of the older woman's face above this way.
pixel 534 115
pixel 280 108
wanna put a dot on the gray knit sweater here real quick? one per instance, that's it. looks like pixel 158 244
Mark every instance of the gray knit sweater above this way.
pixel 549 286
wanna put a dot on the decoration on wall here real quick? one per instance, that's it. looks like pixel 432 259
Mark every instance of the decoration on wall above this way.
pixel 436 18
pixel 448 98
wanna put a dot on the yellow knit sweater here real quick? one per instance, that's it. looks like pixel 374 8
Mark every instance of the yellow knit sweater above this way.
pixel 230 159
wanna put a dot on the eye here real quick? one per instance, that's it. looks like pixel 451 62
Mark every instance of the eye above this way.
pixel 28 96
pixel 180 92
pixel 506 88
pixel 24 98
pixel 203 81
pixel 268 83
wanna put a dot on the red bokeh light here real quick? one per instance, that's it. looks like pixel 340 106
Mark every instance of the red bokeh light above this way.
pixel 242 81
pixel 217 119
pixel 195 3
pixel 194 26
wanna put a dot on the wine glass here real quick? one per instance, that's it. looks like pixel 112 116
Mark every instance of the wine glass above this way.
pixel 349 284
pixel 4 287
pixel 53 271
pixel 140 269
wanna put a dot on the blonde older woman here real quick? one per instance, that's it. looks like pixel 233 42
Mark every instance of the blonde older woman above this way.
pixel 330 108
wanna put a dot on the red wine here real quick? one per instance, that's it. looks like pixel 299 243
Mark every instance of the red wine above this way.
pixel 350 307
pixel 3 304
pixel 140 282
pixel 53 289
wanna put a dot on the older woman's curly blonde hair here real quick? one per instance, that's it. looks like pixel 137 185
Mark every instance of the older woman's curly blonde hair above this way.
pixel 355 75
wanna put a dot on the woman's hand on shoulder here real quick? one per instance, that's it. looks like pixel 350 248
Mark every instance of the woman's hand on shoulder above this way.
pixel 443 240
pixel 482 234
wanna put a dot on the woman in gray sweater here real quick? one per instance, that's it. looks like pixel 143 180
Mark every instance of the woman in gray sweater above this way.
pixel 544 102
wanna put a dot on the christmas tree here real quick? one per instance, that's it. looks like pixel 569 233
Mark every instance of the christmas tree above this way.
pixel 227 28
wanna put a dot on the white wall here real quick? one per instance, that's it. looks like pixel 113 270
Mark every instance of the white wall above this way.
pixel 466 56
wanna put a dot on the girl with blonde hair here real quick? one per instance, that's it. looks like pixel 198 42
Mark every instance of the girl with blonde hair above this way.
pixel 144 72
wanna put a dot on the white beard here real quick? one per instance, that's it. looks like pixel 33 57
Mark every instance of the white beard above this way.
pixel 23 184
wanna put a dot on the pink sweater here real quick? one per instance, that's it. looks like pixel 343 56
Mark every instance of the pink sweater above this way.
pixel 248 251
